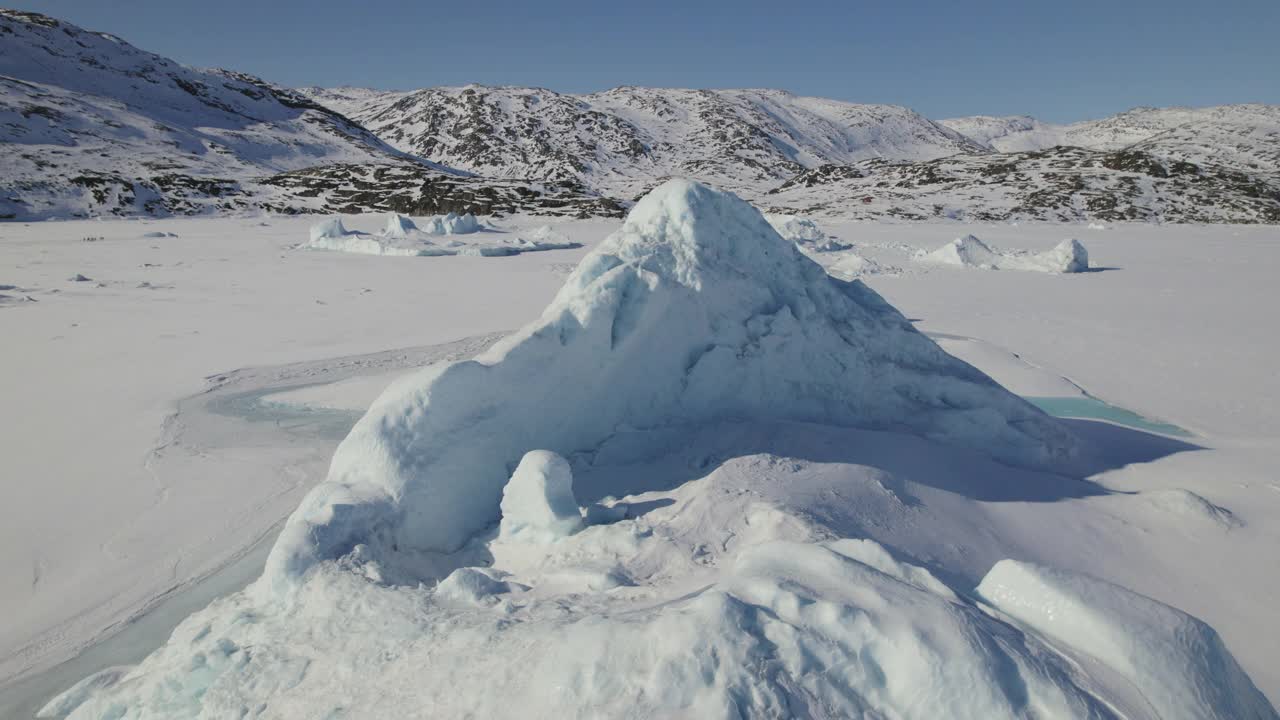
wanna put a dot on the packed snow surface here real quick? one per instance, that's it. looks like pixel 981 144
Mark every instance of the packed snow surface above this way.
pixel 1068 256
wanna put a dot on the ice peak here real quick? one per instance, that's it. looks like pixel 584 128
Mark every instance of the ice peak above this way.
pixel 695 312
pixel 682 230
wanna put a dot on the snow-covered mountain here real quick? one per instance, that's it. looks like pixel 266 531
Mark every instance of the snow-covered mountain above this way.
pixel 1238 137
pixel 91 125
pixel 1013 133
pixel 625 140
pixel 764 143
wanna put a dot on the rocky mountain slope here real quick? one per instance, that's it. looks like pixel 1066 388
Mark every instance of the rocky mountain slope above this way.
pixel 1217 164
pixel 90 125
pixel 625 140
pixel 1238 137
pixel 1062 183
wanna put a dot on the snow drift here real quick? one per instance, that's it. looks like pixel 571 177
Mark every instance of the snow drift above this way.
pixel 1179 663
pixel 694 311
pixel 1068 256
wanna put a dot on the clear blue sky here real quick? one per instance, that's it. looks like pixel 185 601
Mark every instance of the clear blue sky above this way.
pixel 1061 61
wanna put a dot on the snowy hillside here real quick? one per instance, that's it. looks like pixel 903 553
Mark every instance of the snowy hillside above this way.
pixel 623 141
pixel 756 142
pixel 90 125
pixel 1244 138
pixel 1014 133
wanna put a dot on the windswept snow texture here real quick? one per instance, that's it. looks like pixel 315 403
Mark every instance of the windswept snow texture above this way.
pixel 1068 256
pixel 1179 664
pixel 433 237
pixel 695 311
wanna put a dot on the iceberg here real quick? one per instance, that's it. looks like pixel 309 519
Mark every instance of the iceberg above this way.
pixel 695 311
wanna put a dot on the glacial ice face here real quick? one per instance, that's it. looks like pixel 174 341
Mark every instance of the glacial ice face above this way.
pixel 695 311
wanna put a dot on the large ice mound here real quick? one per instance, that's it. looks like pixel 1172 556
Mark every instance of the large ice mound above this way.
pixel 1068 256
pixel 694 311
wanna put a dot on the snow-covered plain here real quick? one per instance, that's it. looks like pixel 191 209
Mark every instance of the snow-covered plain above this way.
pixel 1185 523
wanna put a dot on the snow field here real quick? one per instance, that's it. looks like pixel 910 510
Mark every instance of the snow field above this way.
pixel 724 563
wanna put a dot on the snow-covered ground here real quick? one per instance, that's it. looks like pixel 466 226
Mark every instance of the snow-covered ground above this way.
pixel 110 509
pixel 92 370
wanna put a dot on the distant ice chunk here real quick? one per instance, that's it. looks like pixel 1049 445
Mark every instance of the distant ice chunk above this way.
pixel 795 228
pixel 805 233
pixel 435 236
pixel 538 503
pixel 330 227
pixel 451 224
pixel 1068 256
pixel 967 251
pixel 1178 664
pixel 852 265
pixel 399 226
